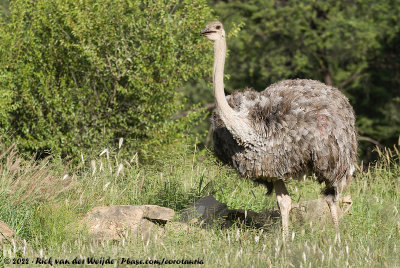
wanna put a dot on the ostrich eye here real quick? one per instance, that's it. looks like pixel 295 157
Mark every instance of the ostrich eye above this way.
pixel 218 27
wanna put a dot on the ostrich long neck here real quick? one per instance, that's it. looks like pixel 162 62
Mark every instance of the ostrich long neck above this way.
pixel 236 123
pixel 218 77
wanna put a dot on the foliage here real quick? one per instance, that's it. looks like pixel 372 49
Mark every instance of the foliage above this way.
pixel 378 104
pixel 352 45
pixel 81 74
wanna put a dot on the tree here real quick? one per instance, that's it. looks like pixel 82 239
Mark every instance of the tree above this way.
pixel 84 73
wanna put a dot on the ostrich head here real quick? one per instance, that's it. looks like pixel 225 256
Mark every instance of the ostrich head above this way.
pixel 214 31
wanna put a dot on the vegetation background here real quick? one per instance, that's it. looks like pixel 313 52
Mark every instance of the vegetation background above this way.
pixel 106 102
pixel 77 75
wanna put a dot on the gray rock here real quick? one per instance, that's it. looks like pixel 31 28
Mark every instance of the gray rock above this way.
pixel 317 210
pixel 116 222
pixel 205 211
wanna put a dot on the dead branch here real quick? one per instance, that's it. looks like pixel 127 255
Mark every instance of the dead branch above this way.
pixel 364 138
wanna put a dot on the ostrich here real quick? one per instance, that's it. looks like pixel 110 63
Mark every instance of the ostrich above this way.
pixel 291 128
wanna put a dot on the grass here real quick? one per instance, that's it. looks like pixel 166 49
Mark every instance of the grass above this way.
pixel 43 202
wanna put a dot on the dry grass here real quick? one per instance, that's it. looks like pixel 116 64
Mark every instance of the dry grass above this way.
pixel 43 200
pixel 30 180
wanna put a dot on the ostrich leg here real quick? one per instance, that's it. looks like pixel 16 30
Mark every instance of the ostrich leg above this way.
pixel 333 206
pixel 285 204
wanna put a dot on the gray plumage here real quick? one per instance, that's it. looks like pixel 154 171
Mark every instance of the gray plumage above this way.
pixel 302 126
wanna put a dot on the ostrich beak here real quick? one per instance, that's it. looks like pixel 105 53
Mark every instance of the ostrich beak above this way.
pixel 206 31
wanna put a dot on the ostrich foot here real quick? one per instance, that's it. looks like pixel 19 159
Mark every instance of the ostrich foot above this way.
pixel 333 206
pixel 285 204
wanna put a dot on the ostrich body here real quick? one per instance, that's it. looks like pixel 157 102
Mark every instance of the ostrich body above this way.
pixel 291 128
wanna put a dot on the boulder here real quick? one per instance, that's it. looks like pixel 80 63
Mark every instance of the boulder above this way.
pixel 317 210
pixel 205 211
pixel 116 222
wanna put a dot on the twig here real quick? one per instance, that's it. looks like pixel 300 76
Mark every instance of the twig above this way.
pixel 350 79
pixel 363 138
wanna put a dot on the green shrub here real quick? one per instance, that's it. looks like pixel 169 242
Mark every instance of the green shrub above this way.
pixel 81 74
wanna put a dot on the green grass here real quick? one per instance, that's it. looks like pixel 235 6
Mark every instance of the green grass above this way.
pixel 44 201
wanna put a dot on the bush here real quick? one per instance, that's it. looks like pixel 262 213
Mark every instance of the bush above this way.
pixel 79 74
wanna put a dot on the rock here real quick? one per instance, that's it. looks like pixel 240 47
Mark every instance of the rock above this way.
pixel 317 210
pixel 6 233
pixel 116 222
pixel 157 213
pixel 307 211
pixel 205 211
pixel 9 240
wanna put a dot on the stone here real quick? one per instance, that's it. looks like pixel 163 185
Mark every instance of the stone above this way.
pixel 117 222
pixel 205 211
pixel 307 211
pixel 317 210
pixel 6 233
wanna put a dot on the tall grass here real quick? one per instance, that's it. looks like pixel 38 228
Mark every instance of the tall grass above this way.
pixel 44 201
